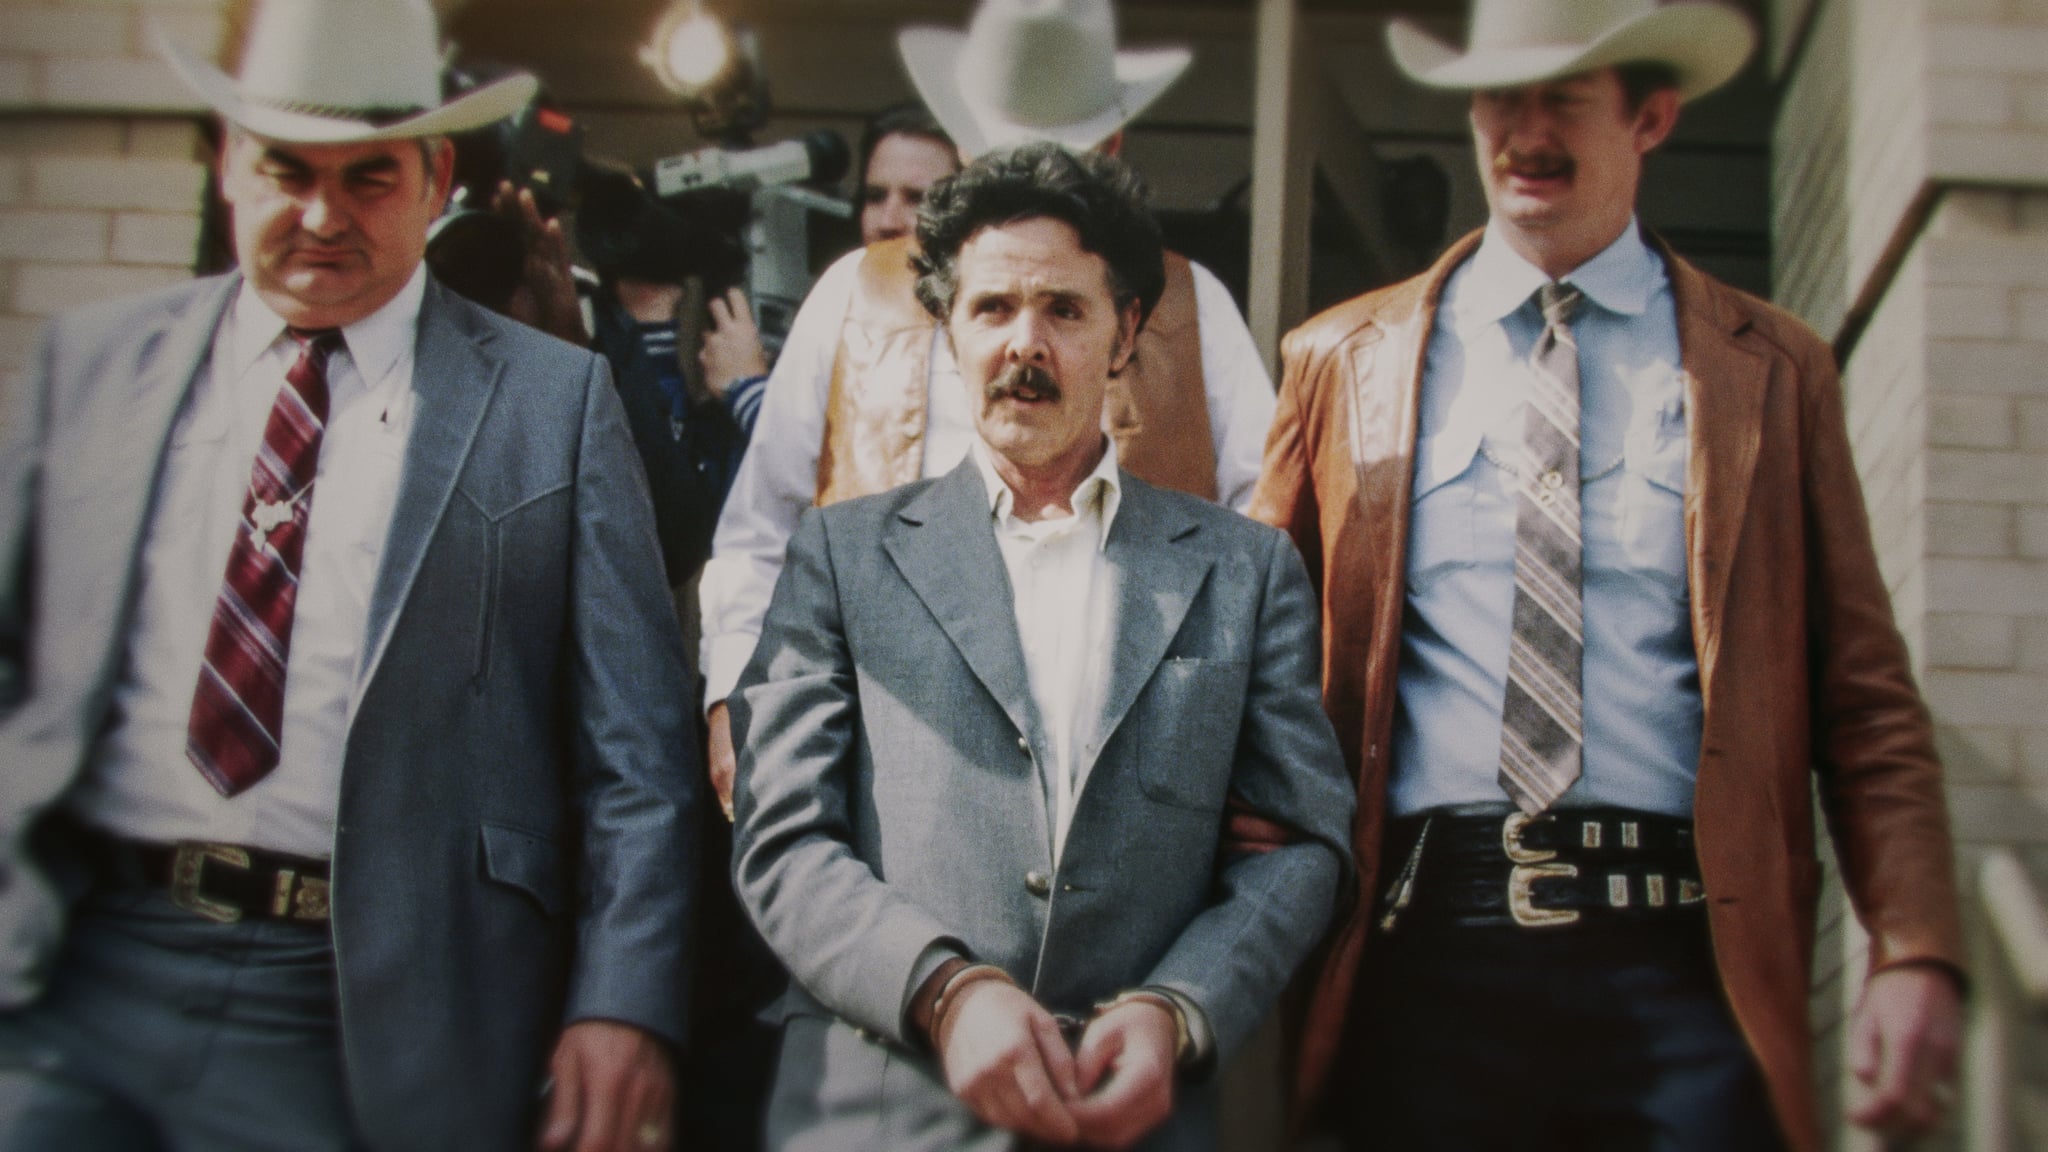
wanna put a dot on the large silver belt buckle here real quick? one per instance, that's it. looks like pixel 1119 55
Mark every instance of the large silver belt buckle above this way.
pixel 1530 866
pixel 188 865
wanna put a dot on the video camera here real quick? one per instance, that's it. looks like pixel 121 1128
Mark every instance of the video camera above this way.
pixel 730 215
pixel 766 198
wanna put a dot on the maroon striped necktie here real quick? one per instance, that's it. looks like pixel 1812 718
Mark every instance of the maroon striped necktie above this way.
pixel 238 708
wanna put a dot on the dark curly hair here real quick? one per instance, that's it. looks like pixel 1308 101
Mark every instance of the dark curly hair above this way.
pixel 1098 196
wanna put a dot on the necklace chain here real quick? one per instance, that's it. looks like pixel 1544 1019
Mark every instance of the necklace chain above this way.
pixel 1512 469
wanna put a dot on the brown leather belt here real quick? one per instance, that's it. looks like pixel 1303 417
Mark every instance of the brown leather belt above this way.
pixel 222 882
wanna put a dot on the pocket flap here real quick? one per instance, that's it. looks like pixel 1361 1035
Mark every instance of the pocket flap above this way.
pixel 1656 450
pixel 1443 458
pixel 524 860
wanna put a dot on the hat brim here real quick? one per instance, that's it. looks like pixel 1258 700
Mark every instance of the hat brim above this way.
pixel 299 125
pixel 1706 44
pixel 932 58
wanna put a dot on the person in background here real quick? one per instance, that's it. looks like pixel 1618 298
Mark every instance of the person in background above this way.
pixel 903 151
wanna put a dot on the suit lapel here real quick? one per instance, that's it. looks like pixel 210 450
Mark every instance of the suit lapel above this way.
pixel 1152 581
pixel 454 375
pixel 131 434
pixel 942 543
pixel 1724 395
pixel 146 415
pixel 1386 403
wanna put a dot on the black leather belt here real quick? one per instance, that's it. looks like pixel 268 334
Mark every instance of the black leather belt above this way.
pixel 222 882
pixel 1609 866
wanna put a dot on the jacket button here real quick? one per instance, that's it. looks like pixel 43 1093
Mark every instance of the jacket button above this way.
pixel 1037 883
pixel 1023 744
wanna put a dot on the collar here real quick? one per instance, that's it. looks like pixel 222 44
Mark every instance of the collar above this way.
pixel 1101 490
pixel 374 343
pixel 1621 279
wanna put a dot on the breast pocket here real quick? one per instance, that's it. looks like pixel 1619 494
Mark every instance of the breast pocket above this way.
pixel 1189 731
pixel 1650 509
pixel 354 503
pixel 1443 519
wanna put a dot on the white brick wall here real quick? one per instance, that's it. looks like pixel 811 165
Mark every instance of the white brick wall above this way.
pixel 1938 225
pixel 100 173
pixel 117 182
pixel 155 237
pixel 53 234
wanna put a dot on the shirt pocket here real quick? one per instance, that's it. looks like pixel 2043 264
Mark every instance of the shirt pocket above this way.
pixel 1650 512
pixel 360 484
pixel 1443 529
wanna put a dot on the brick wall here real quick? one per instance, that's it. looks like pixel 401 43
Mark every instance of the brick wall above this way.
pixel 100 169
pixel 1987 466
pixel 1925 255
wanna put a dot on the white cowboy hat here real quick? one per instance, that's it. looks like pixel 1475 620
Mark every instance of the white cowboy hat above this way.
pixel 344 71
pixel 1030 70
pixel 1529 41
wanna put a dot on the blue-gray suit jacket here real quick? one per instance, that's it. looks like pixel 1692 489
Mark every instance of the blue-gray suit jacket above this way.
pixel 514 846
pixel 889 794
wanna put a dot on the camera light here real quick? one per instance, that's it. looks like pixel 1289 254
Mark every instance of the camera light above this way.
pixel 697 50
pixel 690 50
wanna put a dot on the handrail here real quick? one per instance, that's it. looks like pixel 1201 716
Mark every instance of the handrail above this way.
pixel 2011 935
pixel 2019 924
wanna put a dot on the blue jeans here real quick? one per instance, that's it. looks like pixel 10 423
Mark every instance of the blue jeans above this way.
pixel 1513 1040
pixel 165 1032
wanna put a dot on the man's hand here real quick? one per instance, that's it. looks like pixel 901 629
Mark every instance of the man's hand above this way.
pixel 721 761
pixel 546 296
pixel 1003 1056
pixel 613 1091
pixel 1902 1047
pixel 732 345
pixel 1132 1045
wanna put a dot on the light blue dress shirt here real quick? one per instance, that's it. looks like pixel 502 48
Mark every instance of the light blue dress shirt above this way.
pixel 1641 679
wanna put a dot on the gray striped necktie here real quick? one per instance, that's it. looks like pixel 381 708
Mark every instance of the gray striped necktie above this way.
pixel 1542 728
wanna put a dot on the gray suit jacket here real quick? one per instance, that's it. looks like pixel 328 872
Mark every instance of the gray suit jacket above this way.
pixel 889 795
pixel 514 845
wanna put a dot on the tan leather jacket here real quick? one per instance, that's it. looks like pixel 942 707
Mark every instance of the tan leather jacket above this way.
pixel 1802 671
pixel 1158 410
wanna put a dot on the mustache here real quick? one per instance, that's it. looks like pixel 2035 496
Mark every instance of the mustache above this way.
pixel 1536 165
pixel 1024 382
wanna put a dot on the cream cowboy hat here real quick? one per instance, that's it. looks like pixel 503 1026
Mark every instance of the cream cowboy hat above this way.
pixel 1035 70
pixel 342 72
pixel 1515 42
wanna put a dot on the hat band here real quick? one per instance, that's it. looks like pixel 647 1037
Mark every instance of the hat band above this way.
pixel 374 117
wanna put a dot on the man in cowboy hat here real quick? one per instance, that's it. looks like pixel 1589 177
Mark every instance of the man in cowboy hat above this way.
pixel 865 394
pixel 994 721
pixel 1601 610
pixel 349 804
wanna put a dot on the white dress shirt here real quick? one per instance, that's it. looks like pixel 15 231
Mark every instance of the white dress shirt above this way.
pixel 778 478
pixel 1063 614
pixel 139 783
